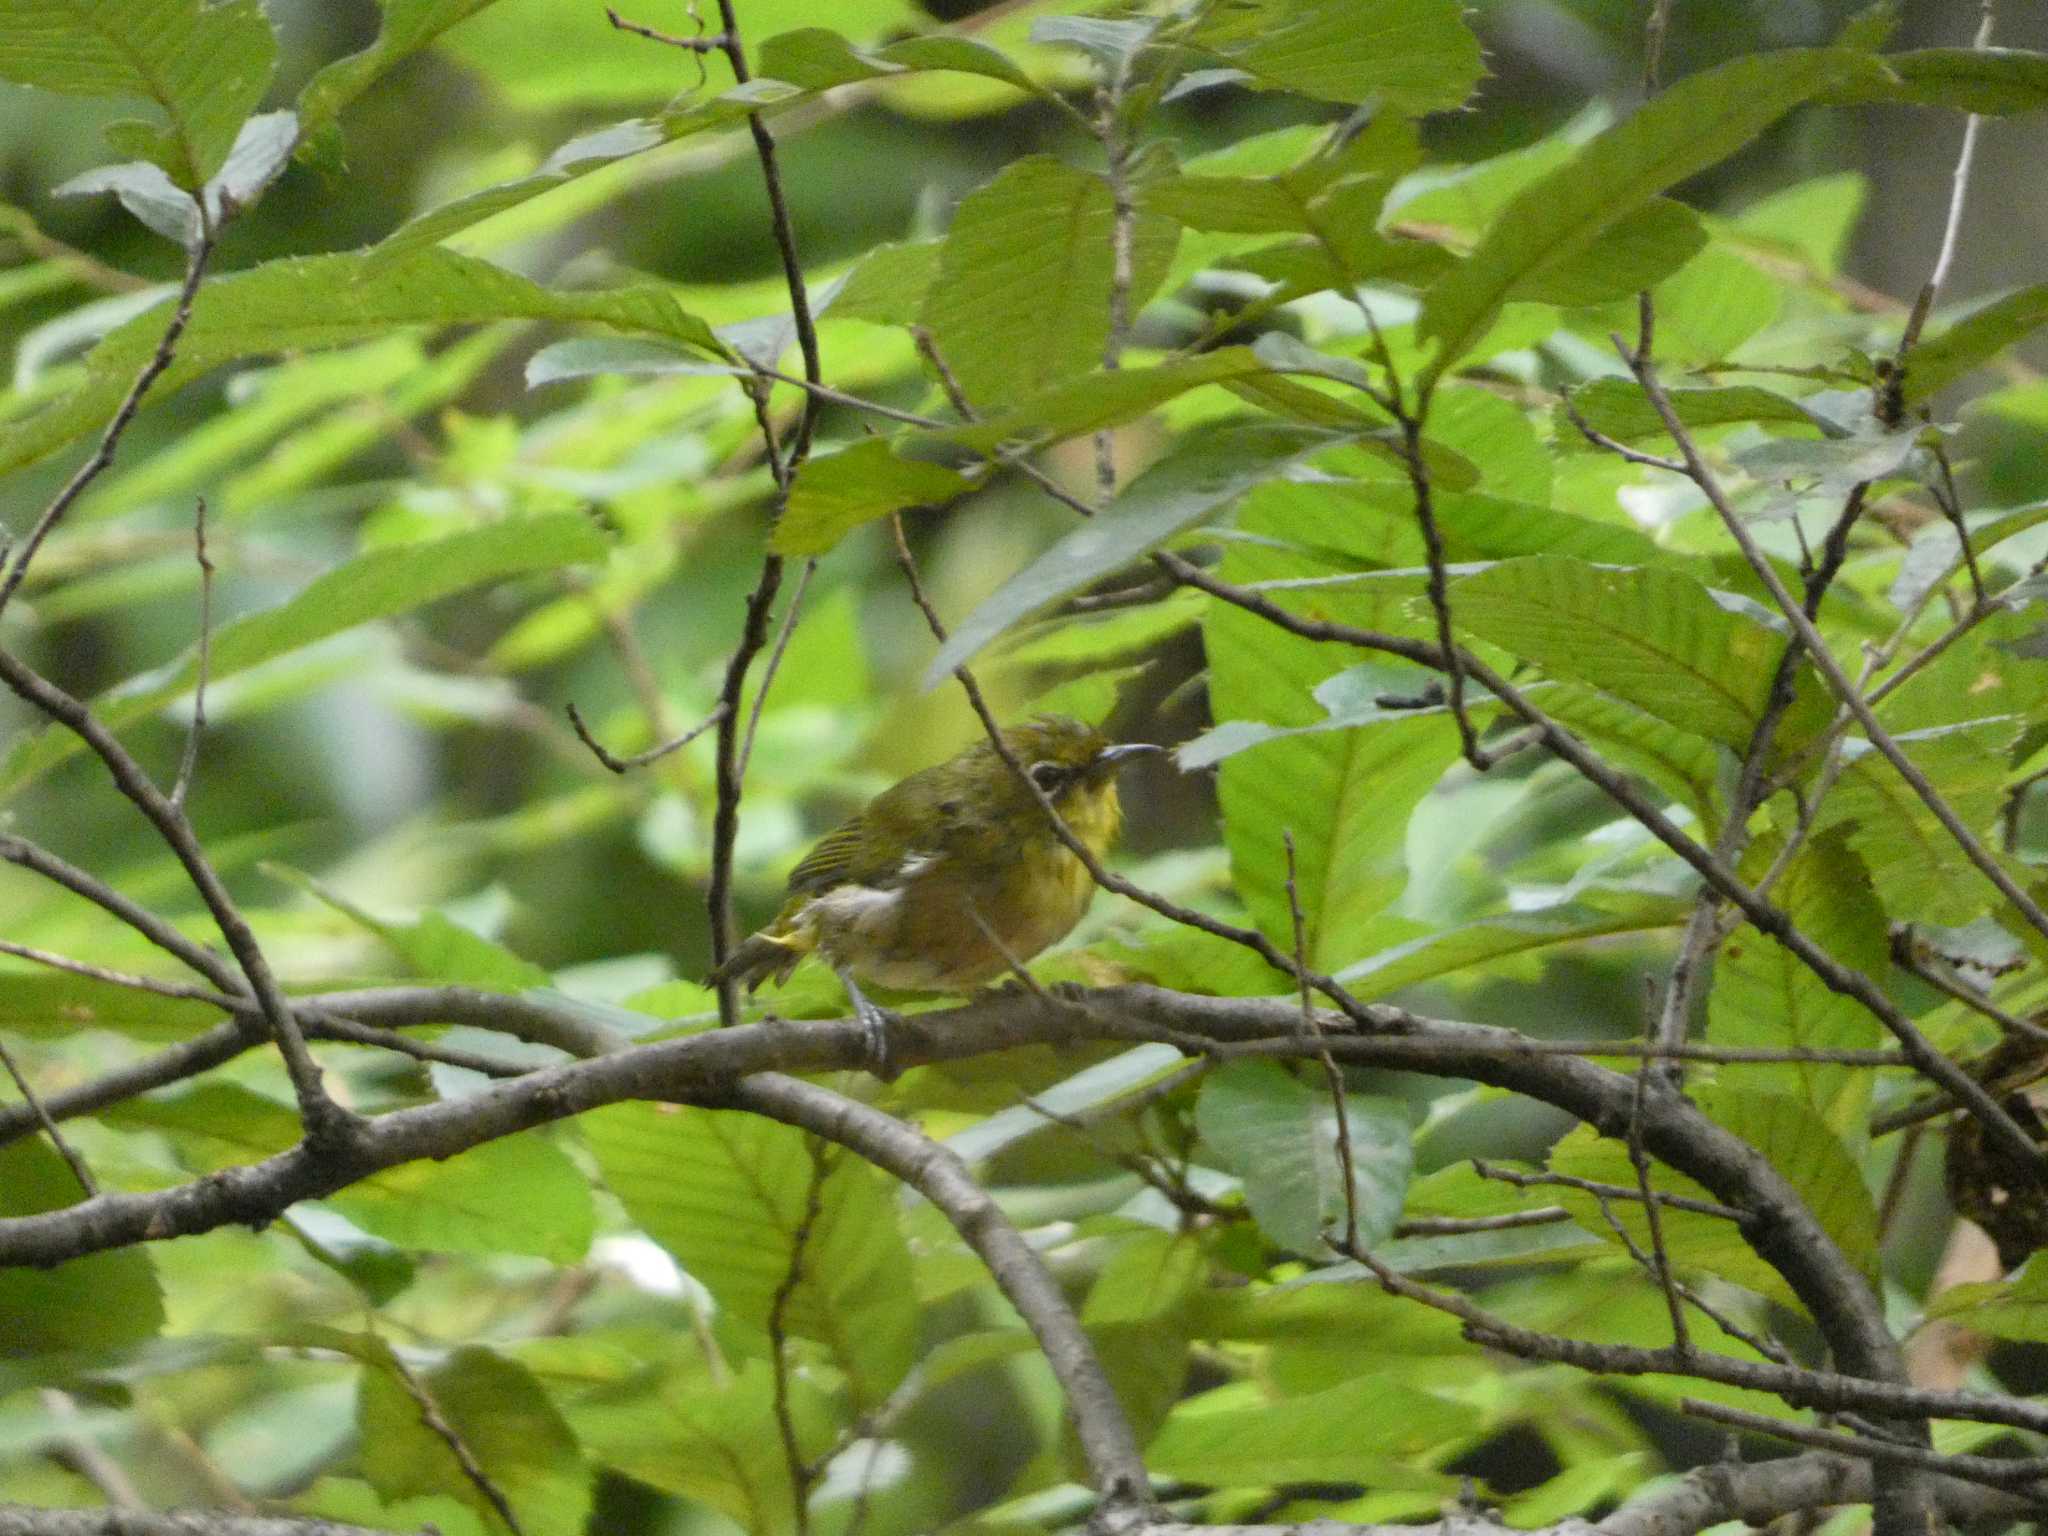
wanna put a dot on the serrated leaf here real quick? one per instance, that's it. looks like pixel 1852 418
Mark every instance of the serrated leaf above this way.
pixel 1345 795
pixel 101 1302
pixel 506 1424
pixel 728 1194
pixel 1279 1134
pixel 1199 479
pixel 309 302
pixel 1415 55
pixel 1694 124
pixel 715 1442
pixel 205 65
pixel 1764 996
pixel 376 585
pixel 1677 761
pixel 1021 298
pixel 1919 872
pixel 1651 637
pixel 835 493
pixel 888 285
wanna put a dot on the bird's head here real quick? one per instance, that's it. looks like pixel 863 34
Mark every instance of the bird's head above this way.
pixel 1075 765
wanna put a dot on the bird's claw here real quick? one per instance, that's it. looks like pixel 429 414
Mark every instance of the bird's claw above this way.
pixel 874 1024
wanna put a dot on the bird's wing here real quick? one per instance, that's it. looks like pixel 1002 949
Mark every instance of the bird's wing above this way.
pixel 879 846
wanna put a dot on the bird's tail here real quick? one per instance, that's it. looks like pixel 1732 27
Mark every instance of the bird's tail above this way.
pixel 759 958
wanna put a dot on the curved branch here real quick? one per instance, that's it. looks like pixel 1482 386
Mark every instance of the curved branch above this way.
pixel 936 1172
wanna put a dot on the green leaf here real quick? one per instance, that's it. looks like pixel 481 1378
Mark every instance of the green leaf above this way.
pixel 715 1442
pixel 1278 1133
pixel 1105 398
pixel 1345 795
pixel 1021 298
pixel 51 1005
pixel 504 1421
pixel 1997 82
pixel 376 585
pixel 1698 122
pixel 1416 56
pixel 1199 479
pixel 2015 1308
pixel 308 302
pixel 729 1194
pixel 1619 409
pixel 1637 252
pixel 104 1301
pixel 1651 637
pixel 518 1194
pixel 817 59
pixel 1918 871
pixel 1678 762
pixel 581 156
pixel 1763 996
pixel 1089 1089
pixel 836 493
pixel 409 25
pixel 1974 340
pixel 1813 1159
pixel 888 285
pixel 206 66
pixel 1472 947
pixel 1375 1429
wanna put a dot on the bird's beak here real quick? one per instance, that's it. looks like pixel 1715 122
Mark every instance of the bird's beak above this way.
pixel 1109 759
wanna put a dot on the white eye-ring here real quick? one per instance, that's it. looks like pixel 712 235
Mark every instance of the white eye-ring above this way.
pixel 1048 775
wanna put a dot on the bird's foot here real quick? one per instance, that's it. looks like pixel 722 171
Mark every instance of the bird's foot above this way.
pixel 874 1024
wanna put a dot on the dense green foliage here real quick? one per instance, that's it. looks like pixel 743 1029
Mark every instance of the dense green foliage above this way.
pixel 480 436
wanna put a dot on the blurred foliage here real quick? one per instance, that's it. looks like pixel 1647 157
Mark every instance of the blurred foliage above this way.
pixel 459 395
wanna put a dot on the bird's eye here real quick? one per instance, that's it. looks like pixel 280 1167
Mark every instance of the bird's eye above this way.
pixel 1048 776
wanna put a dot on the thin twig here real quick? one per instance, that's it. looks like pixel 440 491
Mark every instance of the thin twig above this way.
pixel 802 1476
pixel 1604 1191
pixel 64 1149
pixel 1830 669
pixel 1992 1470
pixel 190 760
pixel 1312 1029
pixel 652 754
pixel 774 663
pixel 1951 230
pixel 124 414
pixel 465 1458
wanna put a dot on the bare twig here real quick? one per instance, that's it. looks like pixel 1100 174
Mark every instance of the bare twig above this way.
pixel 190 760
pixel 465 1458
pixel 1100 1425
pixel 1312 1029
pixel 1959 191
pixel 802 1475
pixel 774 663
pixel 1991 1470
pixel 652 754
pixel 1603 1191
pixel 64 1149
pixel 124 414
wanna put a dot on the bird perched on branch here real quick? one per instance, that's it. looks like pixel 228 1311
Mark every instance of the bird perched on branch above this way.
pixel 953 876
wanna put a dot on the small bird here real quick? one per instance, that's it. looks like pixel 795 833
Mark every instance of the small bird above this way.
pixel 951 877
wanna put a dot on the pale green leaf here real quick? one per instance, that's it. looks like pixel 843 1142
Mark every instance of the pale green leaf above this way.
pixel 835 493
pixel 206 66
pixel 1278 1132
pixel 101 1302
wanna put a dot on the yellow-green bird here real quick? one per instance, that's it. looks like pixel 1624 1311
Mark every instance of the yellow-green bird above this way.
pixel 948 878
